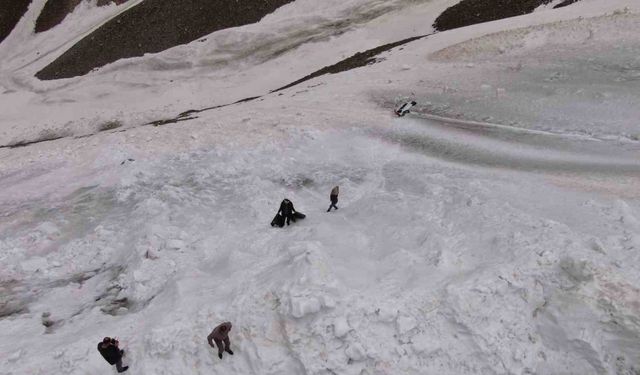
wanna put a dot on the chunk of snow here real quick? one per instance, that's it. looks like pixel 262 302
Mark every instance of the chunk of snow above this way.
pixel 355 352
pixel 328 302
pixel 423 343
pixel 301 306
pixel 341 326
pixel 175 244
pixel 405 323
pixel 387 314
pixel 15 356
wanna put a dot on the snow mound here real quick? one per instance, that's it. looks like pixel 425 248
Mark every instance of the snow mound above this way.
pixel 619 28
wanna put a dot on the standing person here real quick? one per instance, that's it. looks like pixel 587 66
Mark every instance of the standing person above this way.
pixel 112 353
pixel 287 210
pixel 220 335
pixel 334 197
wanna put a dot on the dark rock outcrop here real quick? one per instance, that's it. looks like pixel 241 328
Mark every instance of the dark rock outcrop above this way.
pixel 358 60
pixel 10 13
pixel 106 2
pixel 55 11
pixel 154 26
pixel 470 12
pixel 565 3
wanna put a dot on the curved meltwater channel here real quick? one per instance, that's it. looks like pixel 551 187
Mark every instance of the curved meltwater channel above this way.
pixel 506 147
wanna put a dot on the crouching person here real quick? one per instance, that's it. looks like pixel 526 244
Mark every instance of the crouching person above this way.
pixel 220 335
pixel 287 211
pixel 112 353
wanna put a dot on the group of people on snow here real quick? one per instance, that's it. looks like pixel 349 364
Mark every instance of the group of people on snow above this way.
pixel 287 213
pixel 109 347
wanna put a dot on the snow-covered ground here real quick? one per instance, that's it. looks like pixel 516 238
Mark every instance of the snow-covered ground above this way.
pixel 494 231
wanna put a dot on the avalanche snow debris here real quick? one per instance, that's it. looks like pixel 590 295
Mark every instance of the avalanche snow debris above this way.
pixel 434 263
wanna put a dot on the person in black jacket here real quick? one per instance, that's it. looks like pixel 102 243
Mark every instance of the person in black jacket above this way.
pixel 111 353
pixel 334 198
pixel 287 210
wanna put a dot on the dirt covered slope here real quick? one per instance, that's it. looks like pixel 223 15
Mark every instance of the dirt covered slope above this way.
pixel 154 26
pixel 10 14
pixel 55 11
pixel 470 12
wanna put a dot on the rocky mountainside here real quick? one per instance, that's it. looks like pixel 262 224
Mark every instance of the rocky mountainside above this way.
pixel 470 12
pixel 154 26
pixel 11 13
pixel 55 11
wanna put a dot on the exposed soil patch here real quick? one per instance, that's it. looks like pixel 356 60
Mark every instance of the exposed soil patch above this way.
pixel 470 12
pixel 154 26
pixel 356 61
pixel 55 11
pixel 10 303
pixel 565 3
pixel 109 125
pixel 10 13
pixel 187 115
pixel 29 143
pixel 44 136
pixel 114 125
pixel 171 121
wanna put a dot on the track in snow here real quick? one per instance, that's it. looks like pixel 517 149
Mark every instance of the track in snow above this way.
pixel 502 146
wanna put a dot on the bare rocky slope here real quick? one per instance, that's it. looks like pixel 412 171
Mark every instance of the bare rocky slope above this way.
pixel 55 11
pixel 154 26
pixel 470 12
pixel 10 14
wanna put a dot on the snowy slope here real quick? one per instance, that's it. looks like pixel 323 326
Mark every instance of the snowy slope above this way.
pixel 494 231
pixel 227 66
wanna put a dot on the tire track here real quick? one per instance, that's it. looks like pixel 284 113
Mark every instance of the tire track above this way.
pixel 498 146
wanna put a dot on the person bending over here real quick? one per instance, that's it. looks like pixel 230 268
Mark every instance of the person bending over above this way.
pixel 112 353
pixel 287 210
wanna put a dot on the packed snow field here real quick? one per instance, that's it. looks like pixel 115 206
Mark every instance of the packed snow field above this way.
pixel 494 230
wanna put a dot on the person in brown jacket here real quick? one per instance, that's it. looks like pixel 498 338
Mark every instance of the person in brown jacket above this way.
pixel 220 335
pixel 334 197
